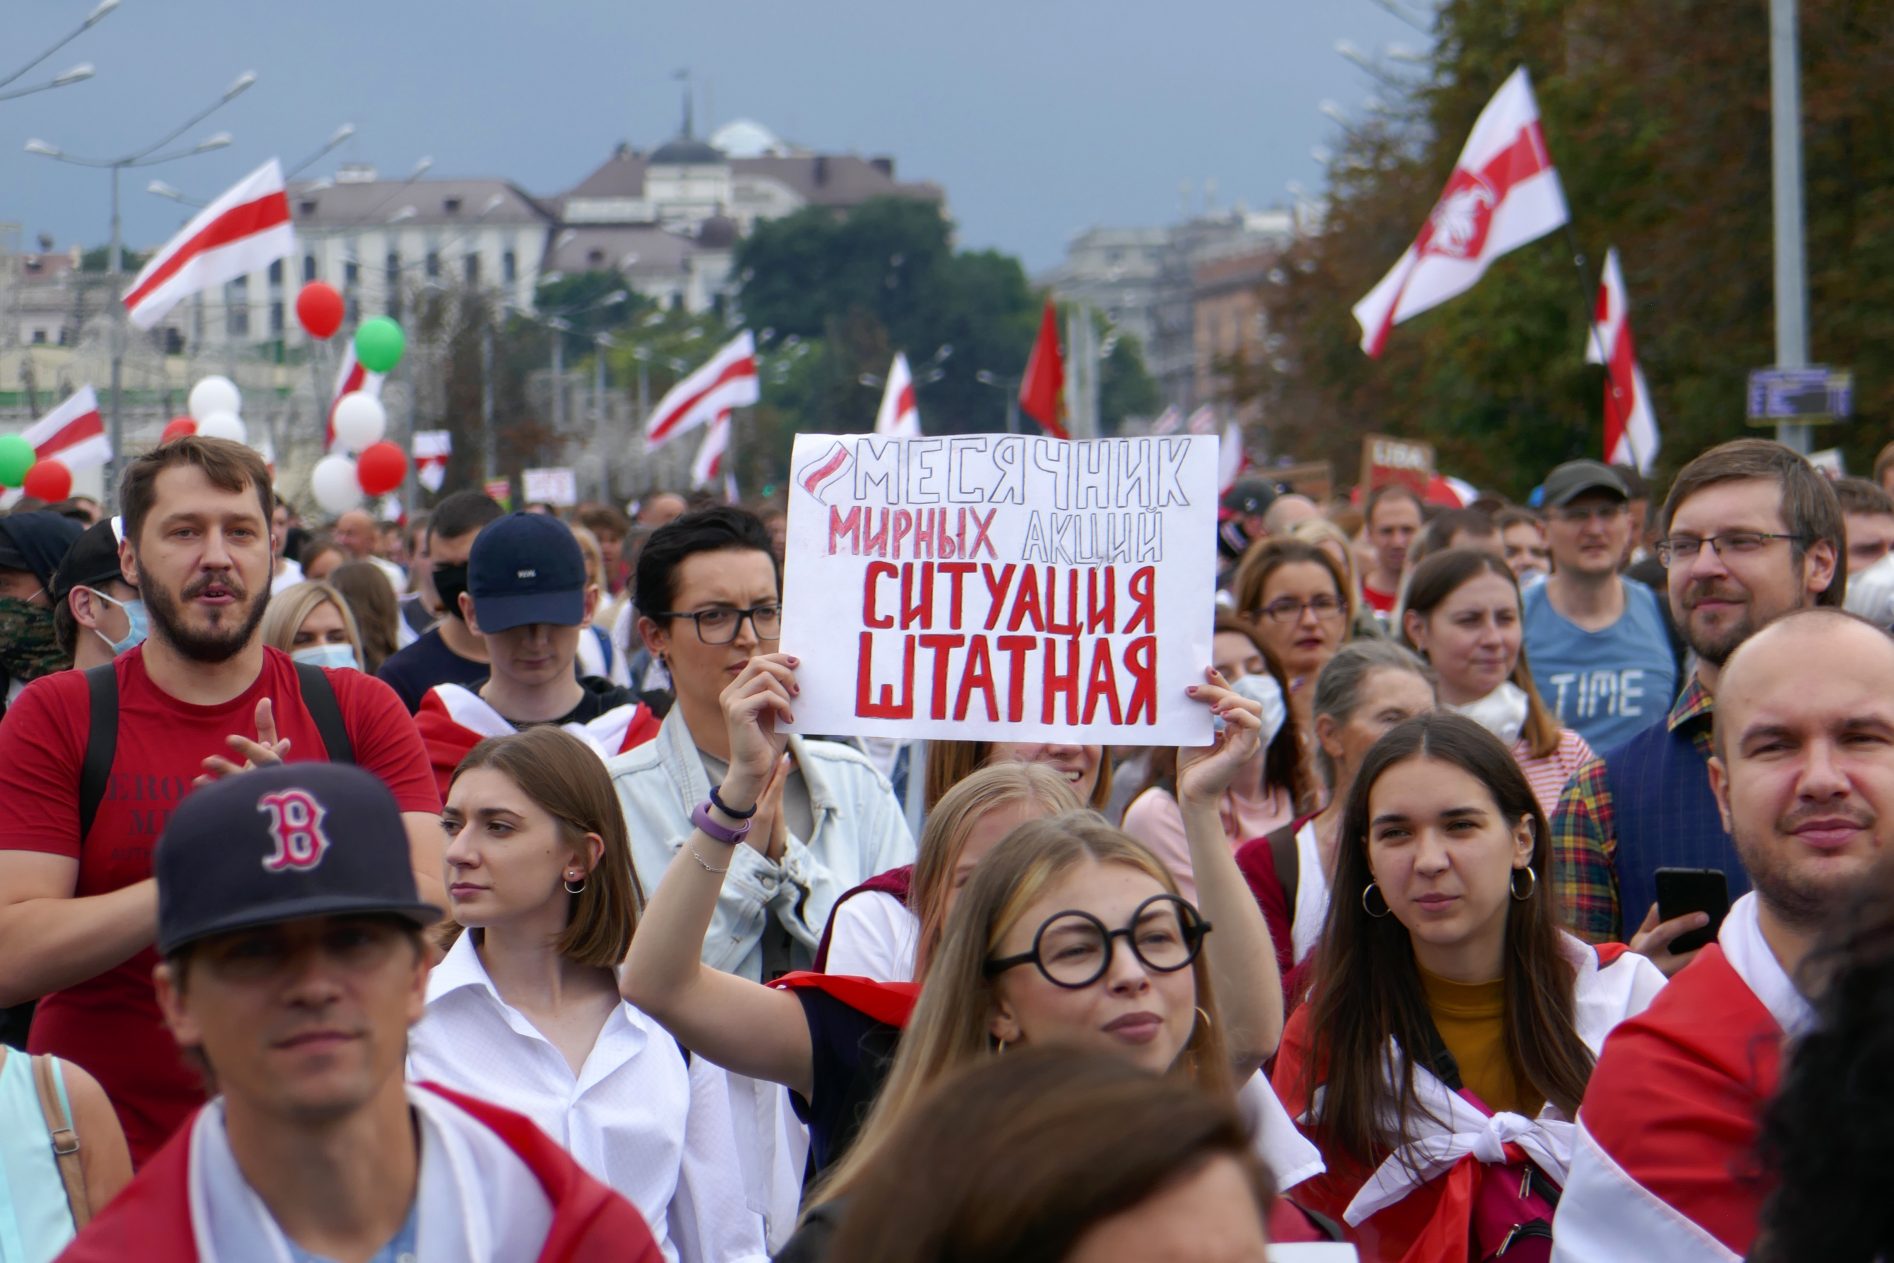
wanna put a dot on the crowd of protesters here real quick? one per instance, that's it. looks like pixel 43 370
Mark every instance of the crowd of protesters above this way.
pixel 450 889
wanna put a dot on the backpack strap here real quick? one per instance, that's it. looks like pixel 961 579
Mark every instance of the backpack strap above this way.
pixel 319 698
pixel 1286 859
pixel 101 747
pixel 65 1140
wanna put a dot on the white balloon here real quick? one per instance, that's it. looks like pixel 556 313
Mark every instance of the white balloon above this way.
pixel 334 484
pixel 212 395
pixel 359 420
pixel 223 425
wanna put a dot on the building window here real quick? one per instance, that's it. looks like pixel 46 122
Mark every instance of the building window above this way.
pixel 434 264
pixel 39 337
pixel 309 267
pixel 237 322
pixel 509 267
pixel 276 320
pixel 276 272
pixel 351 273
pixel 352 309
pixel 472 265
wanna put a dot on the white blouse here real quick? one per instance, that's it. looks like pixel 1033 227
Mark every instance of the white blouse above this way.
pixel 638 1117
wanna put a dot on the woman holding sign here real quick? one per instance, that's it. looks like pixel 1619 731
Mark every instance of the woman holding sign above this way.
pixel 827 1038
pixel 1300 604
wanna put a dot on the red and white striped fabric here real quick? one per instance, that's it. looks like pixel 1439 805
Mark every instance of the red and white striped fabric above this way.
pixel 709 461
pixel 1504 192
pixel 453 720
pixel 72 434
pixel 728 381
pixel 1202 421
pixel 898 416
pixel 1168 420
pixel 431 450
pixel 243 231
pixel 1630 425
pixel 1231 458
pixel 351 378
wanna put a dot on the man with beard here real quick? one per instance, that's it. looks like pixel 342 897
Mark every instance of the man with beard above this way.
pixel 1803 777
pixel 1751 531
pixel 92 765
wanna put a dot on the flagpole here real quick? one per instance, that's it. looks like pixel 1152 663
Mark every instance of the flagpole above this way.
pixel 1588 306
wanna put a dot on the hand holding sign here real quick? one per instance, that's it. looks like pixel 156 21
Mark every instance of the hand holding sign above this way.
pixel 1205 772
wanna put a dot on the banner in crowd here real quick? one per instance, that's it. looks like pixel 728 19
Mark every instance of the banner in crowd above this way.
pixel 556 485
pixel 1002 588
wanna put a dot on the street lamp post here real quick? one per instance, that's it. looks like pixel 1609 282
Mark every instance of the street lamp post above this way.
pixel 1011 386
pixel 148 156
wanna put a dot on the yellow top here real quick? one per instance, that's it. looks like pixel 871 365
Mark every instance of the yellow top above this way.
pixel 1471 1019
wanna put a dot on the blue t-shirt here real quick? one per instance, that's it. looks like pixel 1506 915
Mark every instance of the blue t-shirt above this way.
pixel 1604 685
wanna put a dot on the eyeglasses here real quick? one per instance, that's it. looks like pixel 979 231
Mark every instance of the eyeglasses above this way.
pixel 1073 949
pixel 1685 548
pixel 718 624
pixel 1580 514
pixel 1288 610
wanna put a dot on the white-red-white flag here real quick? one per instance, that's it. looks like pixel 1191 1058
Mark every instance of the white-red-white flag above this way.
pixel 1202 421
pixel 1504 192
pixel 1168 420
pixel 1231 458
pixel 708 464
pixel 243 231
pixel 898 417
pixel 431 450
pixel 352 377
pixel 727 381
pixel 1630 425
pixel 72 434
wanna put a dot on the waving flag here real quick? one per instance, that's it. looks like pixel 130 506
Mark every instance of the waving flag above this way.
pixel 1231 458
pixel 727 381
pixel 431 450
pixel 1630 425
pixel 1504 192
pixel 898 416
pixel 1168 420
pixel 73 433
pixel 1042 389
pixel 709 461
pixel 243 231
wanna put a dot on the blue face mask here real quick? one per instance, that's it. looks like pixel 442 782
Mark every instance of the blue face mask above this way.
pixel 338 656
pixel 137 623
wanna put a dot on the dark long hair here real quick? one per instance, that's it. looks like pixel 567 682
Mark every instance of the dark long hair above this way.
pixel 1370 986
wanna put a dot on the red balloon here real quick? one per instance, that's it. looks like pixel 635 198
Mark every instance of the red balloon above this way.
pixel 177 428
pixel 319 309
pixel 380 468
pixel 50 480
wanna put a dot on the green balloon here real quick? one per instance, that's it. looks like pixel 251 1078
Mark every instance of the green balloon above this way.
pixel 379 343
pixel 16 457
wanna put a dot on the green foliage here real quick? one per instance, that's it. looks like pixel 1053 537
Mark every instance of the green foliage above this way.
pixel 1125 389
pixel 590 303
pixel 1657 116
pixel 99 258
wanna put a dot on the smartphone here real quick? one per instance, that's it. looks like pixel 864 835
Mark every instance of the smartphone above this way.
pixel 1684 890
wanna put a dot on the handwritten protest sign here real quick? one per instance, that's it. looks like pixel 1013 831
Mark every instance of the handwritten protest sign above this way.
pixel 1002 588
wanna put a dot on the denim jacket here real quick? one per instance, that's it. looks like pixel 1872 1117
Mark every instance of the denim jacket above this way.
pixel 859 831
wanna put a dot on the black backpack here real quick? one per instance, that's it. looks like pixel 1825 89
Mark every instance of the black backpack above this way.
pixel 102 740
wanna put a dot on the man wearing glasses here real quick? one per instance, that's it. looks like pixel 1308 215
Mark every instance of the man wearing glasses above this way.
pixel 1750 531
pixel 528 597
pixel 1600 655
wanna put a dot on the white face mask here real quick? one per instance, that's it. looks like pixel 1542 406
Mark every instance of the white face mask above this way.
pixel 338 656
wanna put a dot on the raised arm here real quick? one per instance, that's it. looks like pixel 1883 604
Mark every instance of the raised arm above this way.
pixel 740 1025
pixel 1242 958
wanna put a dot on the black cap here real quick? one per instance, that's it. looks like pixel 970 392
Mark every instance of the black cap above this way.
pixel 34 542
pixel 1250 495
pixel 1575 477
pixel 90 561
pixel 279 844
pixel 526 568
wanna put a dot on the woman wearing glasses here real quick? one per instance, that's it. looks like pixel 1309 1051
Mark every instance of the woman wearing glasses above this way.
pixel 1299 602
pixel 1464 615
pixel 1441 1058
pixel 709 597
pixel 1116 975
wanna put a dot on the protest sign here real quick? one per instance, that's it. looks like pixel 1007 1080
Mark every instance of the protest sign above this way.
pixel 1386 459
pixel 558 485
pixel 1002 588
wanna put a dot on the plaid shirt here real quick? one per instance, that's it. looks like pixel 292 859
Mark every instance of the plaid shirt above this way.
pixel 1585 831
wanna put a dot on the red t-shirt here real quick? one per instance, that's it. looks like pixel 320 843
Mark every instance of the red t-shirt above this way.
pixel 1378 601
pixel 110 1024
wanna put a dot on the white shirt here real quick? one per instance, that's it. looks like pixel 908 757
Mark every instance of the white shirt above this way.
pixel 636 1116
pixel 1311 910
pixel 874 936
pixel 292 574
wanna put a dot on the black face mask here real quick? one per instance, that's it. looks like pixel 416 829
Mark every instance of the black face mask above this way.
pixel 450 580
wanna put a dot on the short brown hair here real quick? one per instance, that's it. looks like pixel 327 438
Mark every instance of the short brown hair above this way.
pixel 1266 556
pixel 1390 491
pixel 229 467
pixel 1858 495
pixel 603 519
pixel 1883 461
pixel 568 781
pixel 1810 511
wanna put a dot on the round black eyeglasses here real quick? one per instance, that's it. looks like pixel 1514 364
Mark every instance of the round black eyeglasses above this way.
pixel 1074 949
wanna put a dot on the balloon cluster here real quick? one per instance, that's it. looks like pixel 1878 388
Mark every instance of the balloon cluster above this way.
pixel 339 480
pixel 21 467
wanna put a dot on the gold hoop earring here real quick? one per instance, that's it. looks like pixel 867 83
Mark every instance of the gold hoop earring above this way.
pixel 1373 889
pixel 1000 1051
pixel 569 887
pixel 1204 1018
pixel 1532 883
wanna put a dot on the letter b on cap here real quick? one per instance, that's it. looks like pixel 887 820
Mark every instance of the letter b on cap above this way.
pixel 296 827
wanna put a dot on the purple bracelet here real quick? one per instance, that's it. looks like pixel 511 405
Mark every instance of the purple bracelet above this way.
pixel 702 818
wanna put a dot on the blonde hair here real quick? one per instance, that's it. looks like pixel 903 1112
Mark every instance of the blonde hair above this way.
pixel 951 762
pixel 949 1028
pixel 594 555
pixel 288 608
pixel 1319 531
pixel 944 837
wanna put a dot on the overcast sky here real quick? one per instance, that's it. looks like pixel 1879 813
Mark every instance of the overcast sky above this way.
pixel 1038 117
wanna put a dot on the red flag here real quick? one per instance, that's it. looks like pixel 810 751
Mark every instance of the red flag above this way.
pixel 72 433
pixel 1042 390
pixel 1504 192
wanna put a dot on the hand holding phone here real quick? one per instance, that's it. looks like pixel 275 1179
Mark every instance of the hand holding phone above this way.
pixel 1681 891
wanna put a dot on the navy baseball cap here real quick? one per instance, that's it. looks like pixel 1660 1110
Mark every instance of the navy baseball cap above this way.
pixel 282 843
pixel 526 568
